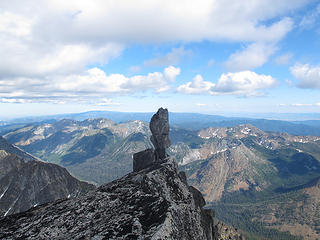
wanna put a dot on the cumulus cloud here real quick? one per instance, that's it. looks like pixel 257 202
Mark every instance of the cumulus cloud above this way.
pixel 48 46
pixel 309 76
pixel 197 86
pixel 245 83
pixel 253 56
pixel 47 36
pixel 157 81
pixel 91 83
pixel 171 58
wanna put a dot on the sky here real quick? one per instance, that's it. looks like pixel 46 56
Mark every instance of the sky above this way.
pixel 208 56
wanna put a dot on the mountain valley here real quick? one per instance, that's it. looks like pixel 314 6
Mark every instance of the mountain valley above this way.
pixel 265 183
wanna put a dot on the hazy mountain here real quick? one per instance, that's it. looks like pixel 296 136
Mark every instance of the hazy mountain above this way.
pixel 96 150
pixel 292 123
pixel 239 168
pixel 25 182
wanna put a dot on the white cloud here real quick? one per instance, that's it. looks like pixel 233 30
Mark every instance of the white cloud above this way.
pixel 317 104
pixel 164 20
pixel 253 56
pixel 95 80
pixel 309 76
pixel 283 59
pixel 245 83
pixel 13 24
pixel 171 73
pixel 47 46
pixel 41 38
pixel 171 58
pixel 197 86
pixel 93 83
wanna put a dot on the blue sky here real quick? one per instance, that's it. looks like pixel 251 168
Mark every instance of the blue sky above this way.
pixel 210 56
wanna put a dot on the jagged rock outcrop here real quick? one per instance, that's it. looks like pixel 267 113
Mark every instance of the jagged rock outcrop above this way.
pixel 159 126
pixel 24 184
pixel 153 202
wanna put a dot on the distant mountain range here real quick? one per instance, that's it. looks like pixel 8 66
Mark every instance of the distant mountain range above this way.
pixel 296 124
pixel 96 150
pixel 26 182
pixel 259 181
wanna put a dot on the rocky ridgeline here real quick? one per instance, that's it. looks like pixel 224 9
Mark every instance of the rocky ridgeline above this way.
pixel 26 182
pixel 152 202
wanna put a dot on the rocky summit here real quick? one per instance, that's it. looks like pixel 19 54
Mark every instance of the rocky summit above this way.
pixel 154 202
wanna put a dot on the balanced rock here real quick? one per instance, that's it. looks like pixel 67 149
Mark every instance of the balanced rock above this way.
pixel 159 126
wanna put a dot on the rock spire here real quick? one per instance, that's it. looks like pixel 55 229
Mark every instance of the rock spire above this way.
pixel 159 126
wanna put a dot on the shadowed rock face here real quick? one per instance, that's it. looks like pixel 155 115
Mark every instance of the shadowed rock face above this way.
pixel 24 184
pixel 139 160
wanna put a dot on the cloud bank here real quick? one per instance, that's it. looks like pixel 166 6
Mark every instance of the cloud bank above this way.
pixel 93 83
pixel 245 83
pixel 48 48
